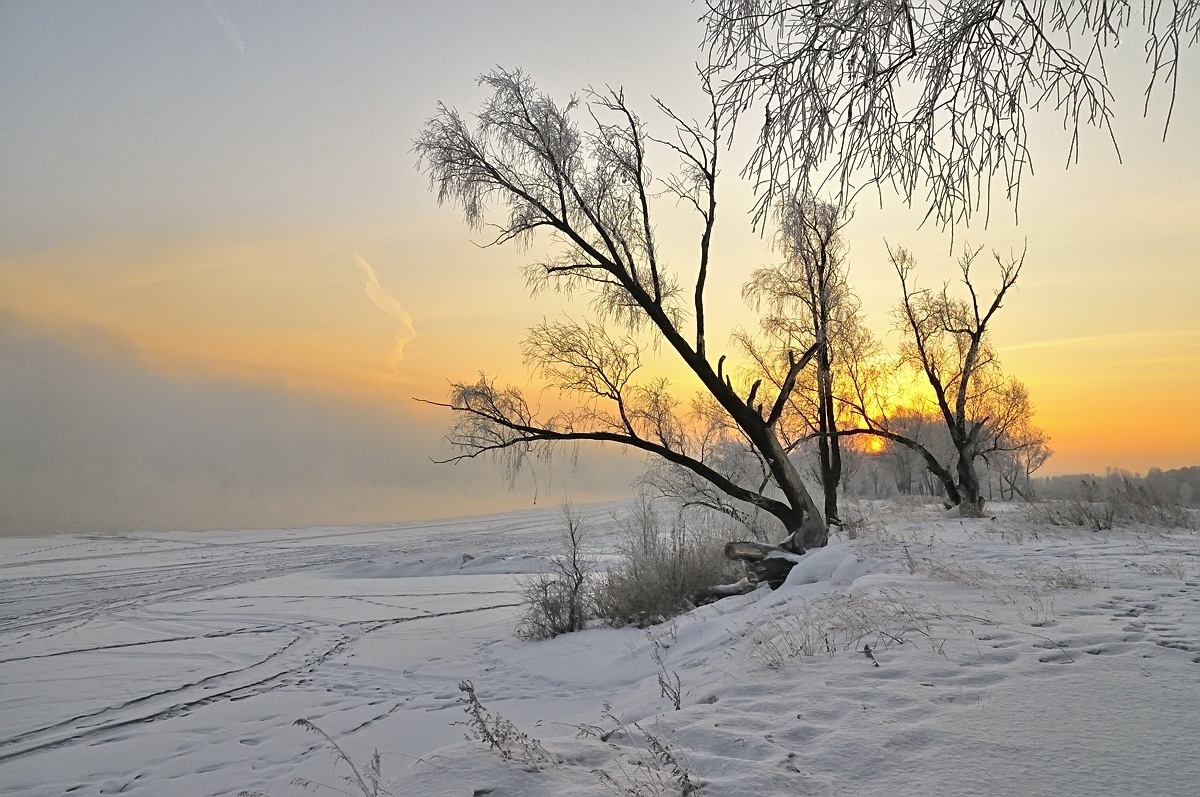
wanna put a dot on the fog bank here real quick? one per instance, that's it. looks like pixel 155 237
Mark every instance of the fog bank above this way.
pixel 92 440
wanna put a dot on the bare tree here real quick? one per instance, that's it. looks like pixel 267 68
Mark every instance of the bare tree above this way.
pixel 926 97
pixel 947 344
pixel 592 193
pixel 1017 454
pixel 807 298
pixel 916 436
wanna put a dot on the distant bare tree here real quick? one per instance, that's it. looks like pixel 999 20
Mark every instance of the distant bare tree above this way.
pixel 1017 455
pixel 915 437
pixel 592 193
pixel 947 344
pixel 930 98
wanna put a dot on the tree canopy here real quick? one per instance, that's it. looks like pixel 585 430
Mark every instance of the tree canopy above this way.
pixel 930 98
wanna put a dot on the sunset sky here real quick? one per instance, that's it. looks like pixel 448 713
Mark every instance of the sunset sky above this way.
pixel 223 279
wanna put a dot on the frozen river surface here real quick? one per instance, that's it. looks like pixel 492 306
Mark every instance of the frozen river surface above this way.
pixel 176 663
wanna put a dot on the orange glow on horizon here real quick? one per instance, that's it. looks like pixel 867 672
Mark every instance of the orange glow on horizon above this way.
pixel 307 313
pixel 303 314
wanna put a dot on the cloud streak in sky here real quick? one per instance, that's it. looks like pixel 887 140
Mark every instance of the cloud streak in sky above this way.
pixel 389 305
pixel 1114 338
pixel 235 35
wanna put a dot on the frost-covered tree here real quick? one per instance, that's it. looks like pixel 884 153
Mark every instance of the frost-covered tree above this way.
pixel 930 98
pixel 946 343
pixel 803 299
pixel 590 192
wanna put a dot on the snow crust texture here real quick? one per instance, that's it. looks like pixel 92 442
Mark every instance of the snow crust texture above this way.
pixel 928 656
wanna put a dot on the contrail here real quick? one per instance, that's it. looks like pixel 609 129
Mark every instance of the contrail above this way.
pixel 388 304
pixel 234 34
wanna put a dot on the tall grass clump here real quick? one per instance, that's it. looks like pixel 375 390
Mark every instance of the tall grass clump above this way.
pixel 1114 501
pixel 500 734
pixel 660 564
pixel 646 765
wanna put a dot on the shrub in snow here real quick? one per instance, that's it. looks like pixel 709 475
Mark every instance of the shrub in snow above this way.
pixel 552 605
pixel 1116 500
pixel 657 569
pixel 557 600
pixel 660 567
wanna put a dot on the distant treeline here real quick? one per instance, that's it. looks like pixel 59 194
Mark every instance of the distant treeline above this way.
pixel 1181 485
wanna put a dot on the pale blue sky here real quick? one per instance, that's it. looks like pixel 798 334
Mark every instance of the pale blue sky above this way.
pixel 141 115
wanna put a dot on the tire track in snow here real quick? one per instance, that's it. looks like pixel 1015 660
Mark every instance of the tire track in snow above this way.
pixel 93 726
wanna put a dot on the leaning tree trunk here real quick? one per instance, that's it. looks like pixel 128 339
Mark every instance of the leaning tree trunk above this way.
pixel 805 526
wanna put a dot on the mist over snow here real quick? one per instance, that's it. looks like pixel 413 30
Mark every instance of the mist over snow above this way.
pixel 92 440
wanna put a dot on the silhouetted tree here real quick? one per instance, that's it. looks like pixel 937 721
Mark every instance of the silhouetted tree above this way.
pixel 807 298
pixel 947 345
pixel 592 193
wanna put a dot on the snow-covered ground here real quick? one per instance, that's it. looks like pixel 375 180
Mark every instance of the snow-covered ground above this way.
pixel 1008 659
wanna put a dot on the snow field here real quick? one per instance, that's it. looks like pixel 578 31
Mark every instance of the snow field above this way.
pixel 1013 658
